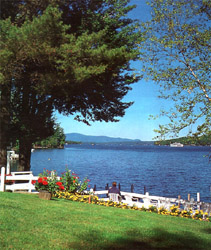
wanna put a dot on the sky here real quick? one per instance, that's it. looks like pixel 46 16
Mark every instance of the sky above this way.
pixel 135 124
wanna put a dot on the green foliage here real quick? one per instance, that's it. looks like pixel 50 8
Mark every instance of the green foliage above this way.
pixel 70 56
pixel 72 184
pixel 47 181
pixel 73 142
pixel 204 140
pixel 68 182
pixel 176 56
pixel 57 140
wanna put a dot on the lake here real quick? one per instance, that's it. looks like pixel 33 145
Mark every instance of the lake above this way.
pixel 163 170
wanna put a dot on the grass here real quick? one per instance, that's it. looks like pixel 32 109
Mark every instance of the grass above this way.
pixel 27 222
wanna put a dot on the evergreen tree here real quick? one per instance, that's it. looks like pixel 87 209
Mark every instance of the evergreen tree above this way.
pixel 73 58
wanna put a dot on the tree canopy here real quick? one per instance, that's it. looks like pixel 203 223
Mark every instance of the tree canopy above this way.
pixel 70 56
pixel 176 55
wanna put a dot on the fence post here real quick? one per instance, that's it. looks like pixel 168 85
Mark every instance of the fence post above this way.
pixel 8 162
pixel 119 187
pixel 30 183
pixel 198 197
pixel 106 188
pixel 198 200
pixel 132 188
pixel 94 189
pixel 2 187
pixel 179 197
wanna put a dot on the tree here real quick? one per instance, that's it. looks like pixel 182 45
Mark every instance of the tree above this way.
pixel 57 140
pixel 176 56
pixel 74 67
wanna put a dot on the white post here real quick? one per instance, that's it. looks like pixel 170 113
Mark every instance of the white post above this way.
pixel 198 200
pixel 2 186
pixel 198 197
pixel 8 162
pixel 30 183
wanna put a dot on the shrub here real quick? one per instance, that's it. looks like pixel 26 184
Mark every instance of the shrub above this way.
pixel 69 182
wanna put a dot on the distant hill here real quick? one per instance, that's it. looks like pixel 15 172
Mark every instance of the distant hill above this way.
pixel 95 139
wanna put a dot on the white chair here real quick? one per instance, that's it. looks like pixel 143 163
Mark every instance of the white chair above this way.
pixel 114 197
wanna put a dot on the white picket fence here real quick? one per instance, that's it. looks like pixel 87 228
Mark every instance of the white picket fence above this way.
pixel 15 177
pixel 131 199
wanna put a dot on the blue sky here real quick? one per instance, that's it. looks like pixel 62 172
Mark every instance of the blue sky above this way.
pixel 135 124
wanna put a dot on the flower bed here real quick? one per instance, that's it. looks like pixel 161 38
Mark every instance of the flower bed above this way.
pixel 69 181
pixel 174 210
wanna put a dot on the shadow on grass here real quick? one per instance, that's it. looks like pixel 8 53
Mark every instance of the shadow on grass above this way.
pixel 134 240
pixel 207 230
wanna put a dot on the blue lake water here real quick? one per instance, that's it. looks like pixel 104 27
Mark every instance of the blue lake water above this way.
pixel 163 170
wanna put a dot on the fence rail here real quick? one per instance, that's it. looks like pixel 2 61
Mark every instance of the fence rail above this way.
pixel 15 179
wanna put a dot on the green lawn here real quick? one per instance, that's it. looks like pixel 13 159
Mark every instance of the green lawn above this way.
pixel 27 222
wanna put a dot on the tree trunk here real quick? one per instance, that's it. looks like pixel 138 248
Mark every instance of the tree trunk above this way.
pixel 24 155
pixel 4 124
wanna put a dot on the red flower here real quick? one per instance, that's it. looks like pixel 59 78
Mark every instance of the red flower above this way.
pixel 33 181
pixel 74 181
pixel 60 178
pixel 59 183
pixel 74 177
pixel 45 178
pixel 61 187
pixel 45 183
pixel 40 180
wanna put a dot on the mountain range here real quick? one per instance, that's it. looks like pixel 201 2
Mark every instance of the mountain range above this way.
pixel 96 139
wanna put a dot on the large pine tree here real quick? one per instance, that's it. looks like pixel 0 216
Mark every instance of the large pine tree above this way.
pixel 72 57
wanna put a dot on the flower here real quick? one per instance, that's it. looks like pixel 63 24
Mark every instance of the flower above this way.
pixel 40 180
pixel 49 181
pixel 33 182
pixel 61 187
pixel 59 183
